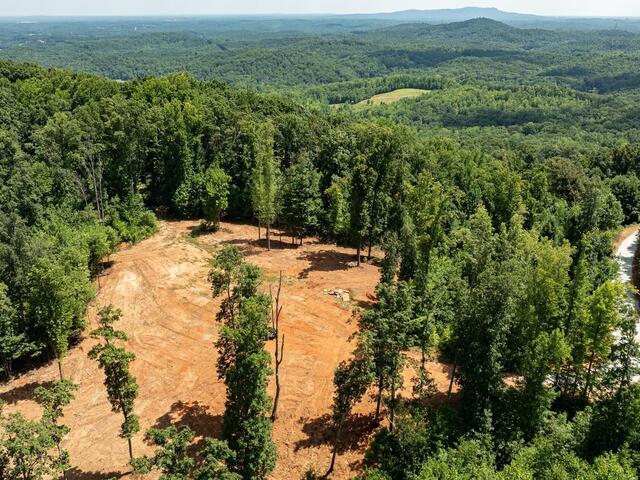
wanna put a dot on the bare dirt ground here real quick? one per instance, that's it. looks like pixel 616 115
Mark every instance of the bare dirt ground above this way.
pixel 162 289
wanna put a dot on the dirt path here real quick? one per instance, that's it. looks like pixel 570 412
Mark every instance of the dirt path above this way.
pixel 161 286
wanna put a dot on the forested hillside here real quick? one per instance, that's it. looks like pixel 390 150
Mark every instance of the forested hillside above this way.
pixel 489 202
pixel 499 259
pixel 268 52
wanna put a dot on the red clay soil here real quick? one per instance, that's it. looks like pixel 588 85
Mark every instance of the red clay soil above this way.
pixel 162 289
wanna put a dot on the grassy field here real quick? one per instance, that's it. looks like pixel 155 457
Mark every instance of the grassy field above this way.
pixel 391 97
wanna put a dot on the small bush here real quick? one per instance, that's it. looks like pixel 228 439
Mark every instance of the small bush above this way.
pixel 132 220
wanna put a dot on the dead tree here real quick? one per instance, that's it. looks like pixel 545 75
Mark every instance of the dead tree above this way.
pixel 276 310
pixel 94 170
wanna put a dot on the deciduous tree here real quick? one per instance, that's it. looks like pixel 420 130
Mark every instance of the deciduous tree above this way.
pixel 58 298
pixel 216 188
pixel 359 200
pixel 385 328
pixel 278 354
pixel 53 401
pixel 246 424
pixel 301 198
pixel 172 457
pixel 25 447
pixel 603 319
pixel 351 381
pixel 13 344
pixel 265 181
pixel 122 388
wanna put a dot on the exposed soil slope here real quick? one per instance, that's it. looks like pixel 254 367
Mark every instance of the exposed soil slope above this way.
pixel 161 286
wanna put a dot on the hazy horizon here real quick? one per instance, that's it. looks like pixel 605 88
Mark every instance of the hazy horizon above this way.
pixel 72 8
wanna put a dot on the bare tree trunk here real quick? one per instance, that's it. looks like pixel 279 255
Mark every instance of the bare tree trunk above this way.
pixel 126 419
pixel 378 400
pixel 78 181
pixel 392 409
pixel 231 310
pixel 95 187
pixel 64 472
pixel 563 380
pixel 100 193
pixel 422 375
pixel 369 251
pixel 268 236
pixel 279 350
pixel 130 449
pixel 276 398
pixel 453 376
pixel 6 365
pixel 587 385
pixel 60 370
pixel 96 180
pixel 574 385
pixel 335 448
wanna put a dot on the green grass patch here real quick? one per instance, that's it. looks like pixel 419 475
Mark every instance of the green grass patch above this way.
pixel 196 242
pixel 391 97
pixel 273 279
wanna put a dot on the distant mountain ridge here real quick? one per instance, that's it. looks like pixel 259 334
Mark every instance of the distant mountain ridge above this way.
pixel 314 23
pixel 448 15
pixel 520 20
pixel 477 32
pixel 488 34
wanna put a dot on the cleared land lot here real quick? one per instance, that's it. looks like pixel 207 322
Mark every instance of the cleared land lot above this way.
pixel 161 286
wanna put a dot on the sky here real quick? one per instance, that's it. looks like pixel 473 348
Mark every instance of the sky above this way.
pixel 208 7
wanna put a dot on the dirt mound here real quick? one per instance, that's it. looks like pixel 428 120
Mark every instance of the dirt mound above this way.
pixel 161 287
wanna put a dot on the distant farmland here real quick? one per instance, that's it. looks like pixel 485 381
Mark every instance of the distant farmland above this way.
pixel 391 97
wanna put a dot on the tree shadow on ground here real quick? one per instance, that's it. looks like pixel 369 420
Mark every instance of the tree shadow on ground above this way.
pixel 194 415
pixel 77 474
pixel 322 431
pixel 253 247
pixel 197 417
pixel 366 303
pixel 104 268
pixel 201 229
pixel 24 392
pixel 325 261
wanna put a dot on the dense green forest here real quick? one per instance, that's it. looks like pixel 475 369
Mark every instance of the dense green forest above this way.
pixel 307 52
pixel 495 198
